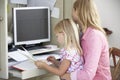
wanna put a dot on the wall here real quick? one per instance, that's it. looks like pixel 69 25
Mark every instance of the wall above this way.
pixel 68 5
pixel 54 21
pixel 65 12
pixel 110 16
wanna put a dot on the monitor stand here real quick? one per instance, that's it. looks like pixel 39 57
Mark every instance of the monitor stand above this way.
pixel 29 47
pixel 12 48
pixel 33 46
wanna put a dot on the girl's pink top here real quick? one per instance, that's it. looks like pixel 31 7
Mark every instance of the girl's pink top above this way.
pixel 96 55
pixel 74 57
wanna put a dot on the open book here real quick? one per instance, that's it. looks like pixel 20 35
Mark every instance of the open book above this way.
pixel 26 60
pixel 26 54
pixel 29 64
pixel 25 65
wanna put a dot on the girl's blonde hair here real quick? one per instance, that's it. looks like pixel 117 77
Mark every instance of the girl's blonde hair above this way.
pixel 71 33
pixel 88 15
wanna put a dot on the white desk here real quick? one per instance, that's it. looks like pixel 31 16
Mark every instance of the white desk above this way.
pixel 33 72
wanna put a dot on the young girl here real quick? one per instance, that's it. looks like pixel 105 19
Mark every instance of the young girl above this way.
pixel 71 53
pixel 93 41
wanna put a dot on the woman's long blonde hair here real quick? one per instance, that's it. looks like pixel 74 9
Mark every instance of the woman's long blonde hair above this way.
pixel 88 15
pixel 71 33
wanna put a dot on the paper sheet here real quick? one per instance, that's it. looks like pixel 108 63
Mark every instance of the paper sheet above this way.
pixel 55 12
pixel 17 56
pixel 26 54
pixel 19 1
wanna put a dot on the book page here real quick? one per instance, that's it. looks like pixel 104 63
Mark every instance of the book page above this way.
pixel 17 56
pixel 26 65
pixel 26 54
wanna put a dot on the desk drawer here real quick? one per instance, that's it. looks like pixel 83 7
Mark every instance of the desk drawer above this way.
pixel 27 74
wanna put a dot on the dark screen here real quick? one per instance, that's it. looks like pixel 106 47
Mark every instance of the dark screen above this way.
pixel 32 24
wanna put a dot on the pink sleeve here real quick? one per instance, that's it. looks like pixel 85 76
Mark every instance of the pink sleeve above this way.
pixel 92 50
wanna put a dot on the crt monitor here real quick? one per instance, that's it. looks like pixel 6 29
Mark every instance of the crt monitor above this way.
pixel 31 25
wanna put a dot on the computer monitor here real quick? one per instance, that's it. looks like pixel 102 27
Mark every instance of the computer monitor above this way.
pixel 31 25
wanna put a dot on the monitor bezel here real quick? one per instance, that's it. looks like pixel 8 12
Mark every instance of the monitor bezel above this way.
pixel 15 27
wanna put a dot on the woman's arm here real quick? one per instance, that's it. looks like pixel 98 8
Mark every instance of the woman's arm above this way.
pixel 63 67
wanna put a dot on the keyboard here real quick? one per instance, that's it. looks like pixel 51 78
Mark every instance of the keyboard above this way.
pixel 35 48
pixel 43 50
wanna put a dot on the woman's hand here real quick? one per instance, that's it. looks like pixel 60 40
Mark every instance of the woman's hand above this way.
pixel 52 59
pixel 40 64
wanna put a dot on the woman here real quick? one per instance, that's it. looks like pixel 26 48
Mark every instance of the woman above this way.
pixel 93 41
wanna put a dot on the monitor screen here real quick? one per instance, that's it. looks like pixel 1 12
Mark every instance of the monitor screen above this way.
pixel 31 25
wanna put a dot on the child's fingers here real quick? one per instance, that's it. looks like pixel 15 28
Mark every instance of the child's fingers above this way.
pixel 36 62
pixel 50 58
pixel 40 64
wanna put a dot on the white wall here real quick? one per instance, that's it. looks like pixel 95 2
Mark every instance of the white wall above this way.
pixel 110 15
pixel 67 11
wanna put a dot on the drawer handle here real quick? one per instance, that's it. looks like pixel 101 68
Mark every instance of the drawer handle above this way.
pixel 1 18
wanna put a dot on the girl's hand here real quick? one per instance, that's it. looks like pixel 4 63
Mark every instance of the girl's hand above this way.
pixel 40 64
pixel 66 76
pixel 52 59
